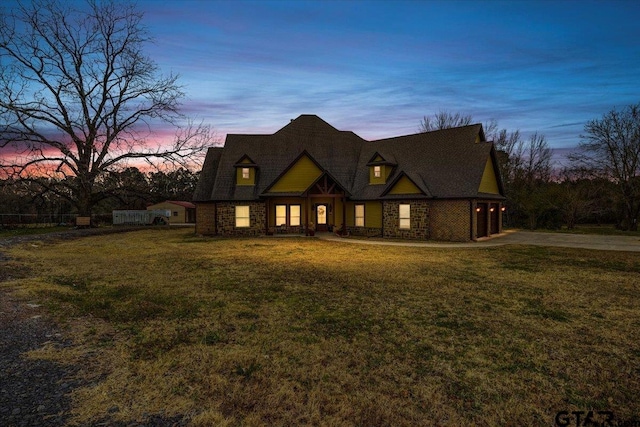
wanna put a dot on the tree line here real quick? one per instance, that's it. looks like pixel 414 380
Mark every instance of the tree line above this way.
pixel 126 189
pixel 601 183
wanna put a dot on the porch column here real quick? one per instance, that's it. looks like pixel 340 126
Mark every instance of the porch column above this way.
pixel 306 216
pixel 344 214
pixel 266 217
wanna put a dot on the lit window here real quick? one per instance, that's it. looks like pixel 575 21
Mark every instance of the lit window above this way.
pixel 377 172
pixel 294 215
pixel 281 215
pixel 359 215
pixel 405 216
pixel 245 173
pixel 242 216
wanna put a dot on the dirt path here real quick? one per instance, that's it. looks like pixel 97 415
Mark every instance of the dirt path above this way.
pixel 32 392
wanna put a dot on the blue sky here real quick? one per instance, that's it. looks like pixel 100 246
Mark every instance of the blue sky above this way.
pixel 378 67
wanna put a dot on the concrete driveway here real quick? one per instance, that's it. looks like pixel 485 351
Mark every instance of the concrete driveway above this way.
pixel 585 241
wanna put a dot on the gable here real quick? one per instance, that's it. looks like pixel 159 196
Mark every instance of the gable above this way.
pixel 377 158
pixel 489 182
pixel 298 177
pixel 404 186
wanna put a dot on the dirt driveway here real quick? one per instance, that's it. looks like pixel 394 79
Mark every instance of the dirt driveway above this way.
pixel 585 241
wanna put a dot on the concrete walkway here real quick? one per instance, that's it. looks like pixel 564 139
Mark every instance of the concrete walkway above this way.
pixel 584 241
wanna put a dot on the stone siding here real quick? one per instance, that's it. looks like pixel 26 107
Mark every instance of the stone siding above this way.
pixel 226 219
pixel 451 220
pixel 419 220
pixel 296 229
pixel 206 218
pixel 365 231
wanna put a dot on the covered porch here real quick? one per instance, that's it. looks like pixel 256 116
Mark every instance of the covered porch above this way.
pixel 320 208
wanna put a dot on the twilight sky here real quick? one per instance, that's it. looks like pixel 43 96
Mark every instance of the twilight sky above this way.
pixel 378 67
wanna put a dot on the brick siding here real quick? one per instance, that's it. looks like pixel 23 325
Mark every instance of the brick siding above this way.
pixel 205 218
pixel 451 220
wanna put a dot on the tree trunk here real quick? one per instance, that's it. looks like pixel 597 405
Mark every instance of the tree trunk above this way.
pixel 631 215
pixel 84 200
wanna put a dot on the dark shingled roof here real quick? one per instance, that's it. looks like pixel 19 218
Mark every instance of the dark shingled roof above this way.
pixel 446 163
pixel 207 175
pixel 181 203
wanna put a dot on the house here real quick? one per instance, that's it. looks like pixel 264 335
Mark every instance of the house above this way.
pixel 441 185
pixel 181 212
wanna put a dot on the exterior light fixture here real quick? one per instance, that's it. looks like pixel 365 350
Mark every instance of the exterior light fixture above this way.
pixel 492 209
pixel 503 209
pixel 478 209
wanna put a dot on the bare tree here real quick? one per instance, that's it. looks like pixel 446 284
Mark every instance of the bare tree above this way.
pixel 447 120
pixel 530 164
pixel 444 120
pixel 533 159
pixel 506 144
pixel 79 97
pixel 581 197
pixel 610 148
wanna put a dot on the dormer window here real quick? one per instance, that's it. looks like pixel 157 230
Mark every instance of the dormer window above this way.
pixel 246 175
pixel 245 171
pixel 379 169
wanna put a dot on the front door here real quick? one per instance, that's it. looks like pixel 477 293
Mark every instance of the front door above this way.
pixel 321 217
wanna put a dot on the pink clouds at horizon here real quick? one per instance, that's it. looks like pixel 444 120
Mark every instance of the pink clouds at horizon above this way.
pixel 16 154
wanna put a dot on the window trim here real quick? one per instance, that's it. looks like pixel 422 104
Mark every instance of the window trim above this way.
pixel 356 217
pixel 404 222
pixel 247 218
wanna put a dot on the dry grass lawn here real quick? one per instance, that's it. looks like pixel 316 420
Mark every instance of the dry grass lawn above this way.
pixel 272 331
